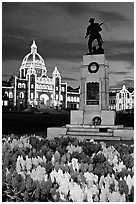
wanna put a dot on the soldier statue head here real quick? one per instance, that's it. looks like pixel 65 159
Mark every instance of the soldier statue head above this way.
pixel 91 20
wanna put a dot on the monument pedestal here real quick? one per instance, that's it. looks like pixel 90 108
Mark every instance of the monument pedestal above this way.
pixel 94 94
pixel 93 120
pixel 86 117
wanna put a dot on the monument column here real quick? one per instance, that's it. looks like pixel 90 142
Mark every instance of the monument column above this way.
pixel 94 88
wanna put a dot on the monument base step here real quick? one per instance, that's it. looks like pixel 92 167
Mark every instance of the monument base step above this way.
pixel 87 137
pixel 89 133
pixel 86 126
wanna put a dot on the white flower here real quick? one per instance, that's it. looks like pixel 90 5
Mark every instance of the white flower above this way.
pixel 22 162
pixel 34 175
pixel 130 182
pixel 91 178
pixel 35 161
pixel 44 159
pixel 75 164
pixel 76 193
pixel 53 160
pixel 64 187
pixel 104 194
pixel 52 176
pixel 119 167
pixel 23 174
pixel 39 174
pixel 18 167
pixel 45 177
pixel 89 195
pixel 28 163
pixel 116 197
pixel 40 159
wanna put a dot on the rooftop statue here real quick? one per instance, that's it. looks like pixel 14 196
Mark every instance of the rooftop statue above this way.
pixel 93 32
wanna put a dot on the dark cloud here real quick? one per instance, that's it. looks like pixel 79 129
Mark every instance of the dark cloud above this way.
pixel 126 82
pixel 69 79
pixel 119 50
pixel 73 8
pixel 115 18
pixel 54 48
pixel 118 72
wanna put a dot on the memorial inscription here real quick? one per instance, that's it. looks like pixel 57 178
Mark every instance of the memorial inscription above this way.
pixel 92 95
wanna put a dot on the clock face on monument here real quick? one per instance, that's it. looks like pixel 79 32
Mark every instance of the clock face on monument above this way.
pixel 93 67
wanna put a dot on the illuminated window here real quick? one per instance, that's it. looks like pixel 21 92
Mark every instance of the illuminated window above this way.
pixel 36 95
pixel 21 95
pixel 61 97
pixel 23 85
pixel 32 86
pixel 10 95
pixel 62 89
pixel 6 93
pixel 5 103
pixel 57 97
pixel 77 99
pixel 19 85
pixel 72 98
pixel 32 95
pixel 68 98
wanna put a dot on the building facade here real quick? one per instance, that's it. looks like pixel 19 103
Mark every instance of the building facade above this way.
pixel 73 98
pixel 124 99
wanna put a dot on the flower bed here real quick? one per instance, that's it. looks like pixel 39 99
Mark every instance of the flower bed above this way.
pixel 65 169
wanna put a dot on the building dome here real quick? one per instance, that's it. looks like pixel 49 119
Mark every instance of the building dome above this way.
pixel 33 59
pixel 33 56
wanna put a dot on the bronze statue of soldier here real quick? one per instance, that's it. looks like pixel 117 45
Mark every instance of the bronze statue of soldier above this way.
pixel 93 32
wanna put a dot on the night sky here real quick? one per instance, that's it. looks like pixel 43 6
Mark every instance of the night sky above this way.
pixel 59 29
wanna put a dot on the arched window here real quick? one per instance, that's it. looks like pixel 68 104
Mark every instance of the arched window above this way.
pixel 10 95
pixel 6 93
pixel 19 85
pixel 119 106
pixel 36 95
pixel 23 85
pixel 57 97
pixel 62 88
pixel 77 99
pixel 32 95
pixel 61 97
pixel 32 86
pixel 72 98
pixel 68 98
pixel 21 95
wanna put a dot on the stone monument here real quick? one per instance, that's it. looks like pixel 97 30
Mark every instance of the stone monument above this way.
pixel 93 119
pixel 94 86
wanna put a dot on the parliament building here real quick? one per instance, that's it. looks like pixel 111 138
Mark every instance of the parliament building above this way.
pixel 34 88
